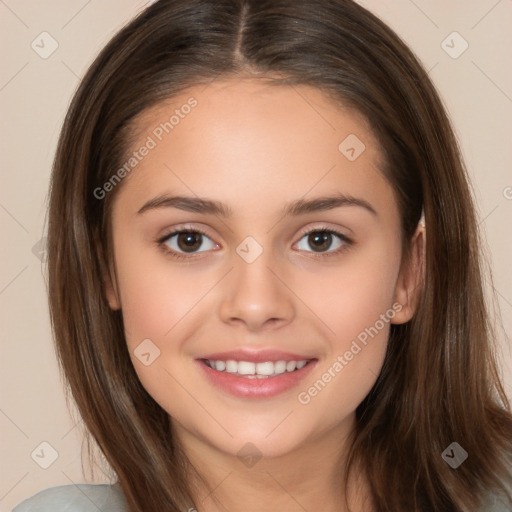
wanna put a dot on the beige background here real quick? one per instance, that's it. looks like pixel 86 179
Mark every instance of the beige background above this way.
pixel 34 92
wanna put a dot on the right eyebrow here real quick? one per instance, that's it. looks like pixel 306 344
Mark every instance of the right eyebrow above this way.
pixel 189 204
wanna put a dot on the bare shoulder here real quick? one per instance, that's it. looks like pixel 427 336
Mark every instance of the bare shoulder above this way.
pixel 76 498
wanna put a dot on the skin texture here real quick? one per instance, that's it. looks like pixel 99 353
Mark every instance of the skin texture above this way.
pixel 256 147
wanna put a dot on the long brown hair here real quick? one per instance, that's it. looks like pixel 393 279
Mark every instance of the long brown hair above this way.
pixel 439 383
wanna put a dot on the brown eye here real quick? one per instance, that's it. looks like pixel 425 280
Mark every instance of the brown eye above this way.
pixel 321 240
pixel 187 241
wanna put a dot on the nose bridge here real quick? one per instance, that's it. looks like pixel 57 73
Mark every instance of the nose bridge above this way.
pixel 254 294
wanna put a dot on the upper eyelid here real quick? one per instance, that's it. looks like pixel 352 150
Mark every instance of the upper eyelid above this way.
pixel 336 231
pixel 180 229
pixel 186 227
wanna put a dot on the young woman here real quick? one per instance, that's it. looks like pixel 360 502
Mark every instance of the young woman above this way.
pixel 264 272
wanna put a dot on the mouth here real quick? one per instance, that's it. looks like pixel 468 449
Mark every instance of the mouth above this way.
pixel 265 376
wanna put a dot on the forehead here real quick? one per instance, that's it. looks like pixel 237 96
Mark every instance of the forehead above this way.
pixel 251 138
pixel 261 103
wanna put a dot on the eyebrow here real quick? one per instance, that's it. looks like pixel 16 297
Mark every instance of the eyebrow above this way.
pixel 294 208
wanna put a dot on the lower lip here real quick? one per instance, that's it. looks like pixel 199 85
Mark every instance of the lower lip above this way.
pixel 245 387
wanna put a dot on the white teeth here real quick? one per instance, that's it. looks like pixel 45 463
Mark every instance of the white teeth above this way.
pixel 280 367
pixel 245 368
pixel 256 370
pixel 265 368
pixel 291 365
pixel 219 365
pixel 231 366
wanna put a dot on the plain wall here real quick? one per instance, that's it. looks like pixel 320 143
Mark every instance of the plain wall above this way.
pixel 476 88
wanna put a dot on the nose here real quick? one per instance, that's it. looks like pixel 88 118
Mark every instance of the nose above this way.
pixel 257 296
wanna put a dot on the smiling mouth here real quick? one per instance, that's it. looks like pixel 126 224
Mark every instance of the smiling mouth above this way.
pixel 251 370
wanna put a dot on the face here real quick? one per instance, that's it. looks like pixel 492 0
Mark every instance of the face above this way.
pixel 257 307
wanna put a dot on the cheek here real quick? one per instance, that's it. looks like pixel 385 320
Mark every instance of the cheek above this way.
pixel 157 303
pixel 355 358
pixel 351 297
pixel 355 303
pixel 156 295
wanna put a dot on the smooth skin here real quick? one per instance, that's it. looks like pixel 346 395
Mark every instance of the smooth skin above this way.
pixel 256 147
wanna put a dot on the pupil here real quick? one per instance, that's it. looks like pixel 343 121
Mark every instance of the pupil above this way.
pixel 322 238
pixel 189 242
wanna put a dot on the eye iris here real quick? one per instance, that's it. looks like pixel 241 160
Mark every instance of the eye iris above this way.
pixel 189 242
pixel 320 237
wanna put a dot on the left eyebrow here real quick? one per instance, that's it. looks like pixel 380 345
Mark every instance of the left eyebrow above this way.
pixel 320 204
pixel 294 208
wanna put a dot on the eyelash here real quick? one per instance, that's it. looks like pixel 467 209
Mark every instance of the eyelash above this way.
pixel 347 242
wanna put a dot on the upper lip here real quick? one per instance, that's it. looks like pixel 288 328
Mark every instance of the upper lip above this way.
pixel 256 356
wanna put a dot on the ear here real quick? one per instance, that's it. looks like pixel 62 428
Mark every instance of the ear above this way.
pixel 110 283
pixel 110 290
pixel 411 276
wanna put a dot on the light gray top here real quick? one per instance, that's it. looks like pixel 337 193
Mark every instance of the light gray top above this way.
pixel 110 498
pixel 76 498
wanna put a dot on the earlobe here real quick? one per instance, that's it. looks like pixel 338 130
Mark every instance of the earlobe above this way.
pixel 411 276
pixel 110 290
pixel 108 277
pixel 110 285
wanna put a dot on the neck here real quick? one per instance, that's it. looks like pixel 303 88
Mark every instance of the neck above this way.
pixel 311 475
